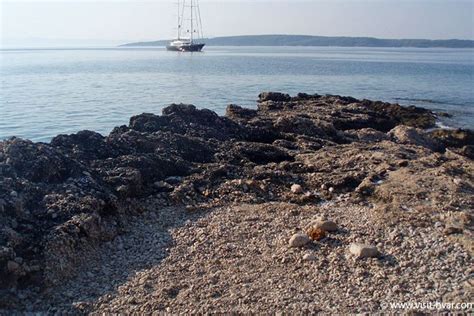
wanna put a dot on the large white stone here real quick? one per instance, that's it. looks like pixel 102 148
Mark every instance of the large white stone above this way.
pixel 363 251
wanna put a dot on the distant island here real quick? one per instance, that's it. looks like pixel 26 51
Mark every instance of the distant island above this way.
pixel 308 40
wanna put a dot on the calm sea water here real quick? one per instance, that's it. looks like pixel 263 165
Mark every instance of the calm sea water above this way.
pixel 47 92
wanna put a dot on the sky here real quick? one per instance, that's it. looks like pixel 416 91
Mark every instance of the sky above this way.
pixel 111 22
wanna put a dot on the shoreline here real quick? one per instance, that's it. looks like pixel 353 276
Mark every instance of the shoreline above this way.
pixel 444 119
pixel 66 202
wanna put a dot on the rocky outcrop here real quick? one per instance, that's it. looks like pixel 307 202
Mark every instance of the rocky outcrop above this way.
pixel 58 201
pixel 409 135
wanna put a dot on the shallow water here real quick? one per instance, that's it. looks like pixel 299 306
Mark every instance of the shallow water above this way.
pixel 47 92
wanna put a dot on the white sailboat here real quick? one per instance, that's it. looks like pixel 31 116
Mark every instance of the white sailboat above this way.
pixel 188 12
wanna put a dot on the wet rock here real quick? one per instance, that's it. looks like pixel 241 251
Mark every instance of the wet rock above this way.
pixel 363 251
pixel 299 240
pixel 305 97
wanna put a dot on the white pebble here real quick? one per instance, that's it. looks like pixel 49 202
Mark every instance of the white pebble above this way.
pixel 296 188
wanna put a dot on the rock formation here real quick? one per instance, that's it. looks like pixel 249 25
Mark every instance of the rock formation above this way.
pixel 60 200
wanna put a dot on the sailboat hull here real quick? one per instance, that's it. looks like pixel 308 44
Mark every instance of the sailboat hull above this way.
pixel 186 48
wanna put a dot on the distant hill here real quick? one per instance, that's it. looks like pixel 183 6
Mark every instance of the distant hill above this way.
pixel 307 40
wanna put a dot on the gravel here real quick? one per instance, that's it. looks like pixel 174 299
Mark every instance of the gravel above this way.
pixel 237 259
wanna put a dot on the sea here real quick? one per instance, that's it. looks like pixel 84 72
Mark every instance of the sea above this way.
pixel 45 92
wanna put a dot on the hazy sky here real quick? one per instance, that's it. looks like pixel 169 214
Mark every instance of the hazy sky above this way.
pixel 87 21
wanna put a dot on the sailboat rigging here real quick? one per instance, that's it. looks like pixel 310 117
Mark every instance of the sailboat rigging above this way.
pixel 188 12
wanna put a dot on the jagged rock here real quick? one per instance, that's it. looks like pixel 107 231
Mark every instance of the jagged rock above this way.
pixel 84 145
pixel 187 120
pixel 39 162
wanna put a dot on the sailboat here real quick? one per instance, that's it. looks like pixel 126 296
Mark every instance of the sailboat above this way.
pixel 188 11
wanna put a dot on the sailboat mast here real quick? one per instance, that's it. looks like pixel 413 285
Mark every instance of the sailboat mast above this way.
pixel 179 21
pixel 192 26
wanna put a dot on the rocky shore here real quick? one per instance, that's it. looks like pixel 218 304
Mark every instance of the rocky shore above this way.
pixel 308 204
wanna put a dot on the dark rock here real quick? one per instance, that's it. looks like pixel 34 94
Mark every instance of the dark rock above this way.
pixel 444 114
pixel 453 137
pixel 236 112
pixel 84 145
pixel 467 151
pixel 306 97
pixel 273 96
pixel 187 120
pixel 38 162
pixel 397 114
pixel 259 153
